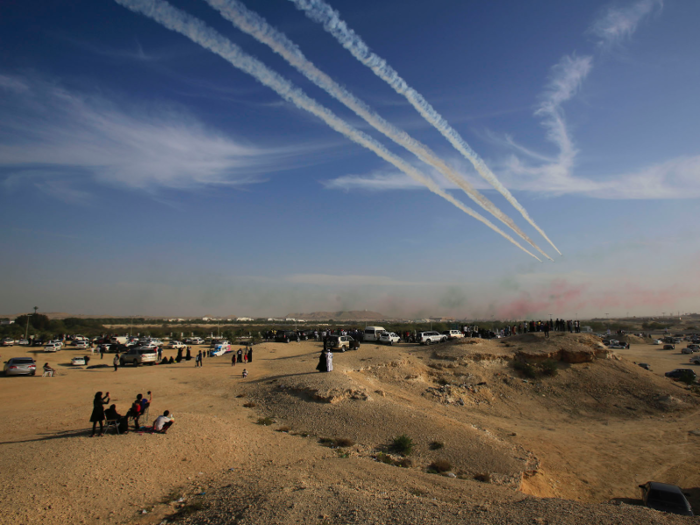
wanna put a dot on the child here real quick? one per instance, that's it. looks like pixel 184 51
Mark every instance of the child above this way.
pixel 245 373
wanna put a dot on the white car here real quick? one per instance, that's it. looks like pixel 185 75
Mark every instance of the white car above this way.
pixel 453 334
pixel 52 347
pixel 57 343
pixel 8 341
pixel 23 342
pixel 176 345
pixel 428 338
pixel 78 361
pixel 658 342
pixel 389 338
pixel 220 349
pixel 82 345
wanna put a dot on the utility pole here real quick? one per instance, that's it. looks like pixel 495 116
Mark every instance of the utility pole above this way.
pixel 26 331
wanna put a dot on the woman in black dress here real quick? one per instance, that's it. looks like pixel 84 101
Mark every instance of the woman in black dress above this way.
pixel 98 412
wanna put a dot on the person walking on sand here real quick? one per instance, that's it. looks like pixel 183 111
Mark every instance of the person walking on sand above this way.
pixel 98 412
pixel 116 362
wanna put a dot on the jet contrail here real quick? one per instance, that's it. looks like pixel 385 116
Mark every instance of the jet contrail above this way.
pixel 256 26
pixel 324 14
pixel 197 31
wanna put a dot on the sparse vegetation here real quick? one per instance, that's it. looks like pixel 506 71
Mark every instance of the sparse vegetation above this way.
pixel 405 463
pixel 418 492
pixel 266 421
pixel 440 466
pixel 383 458
pixel 402 445
pixel 344 442
pixel 525 368
pixel 550 367
pixel 436 445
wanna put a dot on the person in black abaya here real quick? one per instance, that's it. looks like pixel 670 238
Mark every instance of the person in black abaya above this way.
pixel 240 355
pixel 250 354
pixel 321 366
pixel 98 412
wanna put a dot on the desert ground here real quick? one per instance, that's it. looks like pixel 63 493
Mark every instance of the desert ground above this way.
pixel 570 448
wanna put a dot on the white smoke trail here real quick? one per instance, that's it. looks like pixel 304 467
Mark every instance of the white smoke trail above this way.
pixel 197 31
pixel 324 14
pixel 256 26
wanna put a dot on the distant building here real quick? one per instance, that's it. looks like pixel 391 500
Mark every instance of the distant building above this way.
pixel 6 321
pixel 246 319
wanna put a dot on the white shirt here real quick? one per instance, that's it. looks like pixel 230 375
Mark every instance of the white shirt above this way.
pixel 160 422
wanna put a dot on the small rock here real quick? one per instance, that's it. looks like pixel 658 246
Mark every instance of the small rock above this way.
pixel 451 475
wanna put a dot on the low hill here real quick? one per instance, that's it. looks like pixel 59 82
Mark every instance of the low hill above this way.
pixel 346 315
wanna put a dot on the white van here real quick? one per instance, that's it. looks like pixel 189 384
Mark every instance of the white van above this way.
pixel 372 333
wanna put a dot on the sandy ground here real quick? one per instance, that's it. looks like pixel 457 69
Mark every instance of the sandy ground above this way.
pixel 590 434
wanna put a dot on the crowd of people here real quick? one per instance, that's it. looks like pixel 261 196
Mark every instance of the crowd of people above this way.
pixel 139 408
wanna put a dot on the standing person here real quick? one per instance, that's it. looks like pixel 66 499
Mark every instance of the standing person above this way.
pixel 546 330
pixel 87 359
pixel 321 366
pixel 233 358
pixel 329 361
pixel 189 355
pixel 201 358
pixel 116 362
pixel 250 354
pixel 245 356
pixel 102 351
pixel 239 354
pixel 98 412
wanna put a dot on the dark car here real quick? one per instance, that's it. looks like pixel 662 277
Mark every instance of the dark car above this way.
pixel 666 498
pixel 286 336
pixel 645 366
pixel 678 373
pixel 669 347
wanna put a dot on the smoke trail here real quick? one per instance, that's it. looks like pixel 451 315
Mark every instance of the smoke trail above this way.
pixel 324 14
pixel 197 31
pixel 256 26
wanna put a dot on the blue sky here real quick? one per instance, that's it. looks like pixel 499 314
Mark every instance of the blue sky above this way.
pixel 142 174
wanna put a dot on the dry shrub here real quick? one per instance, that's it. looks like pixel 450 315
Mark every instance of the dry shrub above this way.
pixel 436 445
pixel 486 477
pixel 344 442
pixel 401 445
pixel 283 429
pixel 249 404
pixel 405 463
pixel 266 421
pixel 440 465
pixel 241 395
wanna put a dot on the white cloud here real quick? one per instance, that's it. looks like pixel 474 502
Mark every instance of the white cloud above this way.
pixel 46 128
pixel 619 23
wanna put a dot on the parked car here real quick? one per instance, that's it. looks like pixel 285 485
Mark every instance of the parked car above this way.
pixel 8 341
pixel 82 345
pixel 679 372
pixel 669 347
pixel 372 333
pixel 666 498
pixel 695 360
pixel 453 334
pixel 52 347
pixel 658 342
pixel 176 345
pixel 428 338
pixel 139 356
pixel 285 336
pixel 196 341
pixel 688 350
pixel 20 366
pixel 694 347
pixel 389 338
pixel 645 366
pixel 220 348
pixel 23 342
pixel 78 361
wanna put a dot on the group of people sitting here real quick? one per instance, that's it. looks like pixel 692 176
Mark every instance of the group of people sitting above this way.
pixel 138 409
